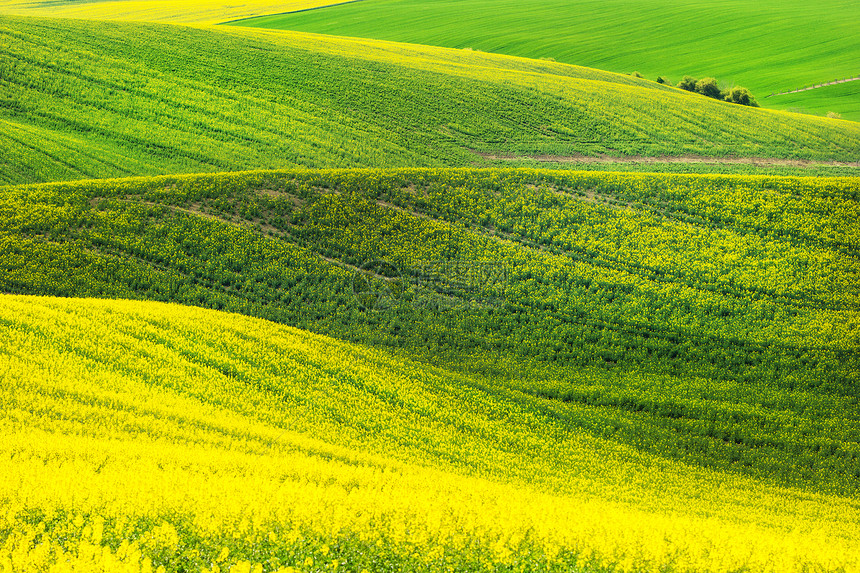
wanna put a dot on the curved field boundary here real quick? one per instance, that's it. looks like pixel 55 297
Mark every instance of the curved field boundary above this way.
pixel 290 12
pixel 813 86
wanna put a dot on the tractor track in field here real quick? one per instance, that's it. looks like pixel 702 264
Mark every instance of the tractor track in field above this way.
pixel 814 86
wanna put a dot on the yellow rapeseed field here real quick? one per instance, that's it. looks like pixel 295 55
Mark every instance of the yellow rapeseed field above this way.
pixel 140 436
pixel 186 12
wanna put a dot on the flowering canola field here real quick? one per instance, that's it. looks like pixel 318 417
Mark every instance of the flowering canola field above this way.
pixel 141 436
pixel 193 12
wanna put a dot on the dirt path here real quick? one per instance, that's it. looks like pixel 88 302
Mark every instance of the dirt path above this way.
pixel 757 161
pixel 815 86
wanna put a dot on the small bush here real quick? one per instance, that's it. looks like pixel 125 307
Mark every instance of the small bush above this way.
pixel 834 115
pixel 708 87
pixel 740 96
pixel 688 83
pixel 637 75
pixel 663 80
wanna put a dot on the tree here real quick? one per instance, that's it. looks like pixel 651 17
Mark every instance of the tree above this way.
pixel 740 95
pixel 688 83
pixel 708 87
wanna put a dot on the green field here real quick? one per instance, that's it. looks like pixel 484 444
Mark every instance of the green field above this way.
pixel 767 46
pixel 820 101
pixel 179 99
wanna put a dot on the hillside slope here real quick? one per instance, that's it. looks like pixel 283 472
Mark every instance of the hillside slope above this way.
pixel 709 319
pixel 841 98
pixel 136 99
pixel 767 46
pixel 138 435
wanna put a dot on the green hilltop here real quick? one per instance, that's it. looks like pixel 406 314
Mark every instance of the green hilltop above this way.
pixel 125 99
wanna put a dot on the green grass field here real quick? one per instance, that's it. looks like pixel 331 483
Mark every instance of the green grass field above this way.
pixel 767 46
pixel 179 99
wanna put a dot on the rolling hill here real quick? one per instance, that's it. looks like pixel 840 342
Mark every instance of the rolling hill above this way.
pixel 141 99
pixel 767 46
pixel 708 319
pixel 821 101
pixel 151 436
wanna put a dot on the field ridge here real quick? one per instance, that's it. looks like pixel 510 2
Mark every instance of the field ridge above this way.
pixel 291 11
pixel 684 159
pixel 571 312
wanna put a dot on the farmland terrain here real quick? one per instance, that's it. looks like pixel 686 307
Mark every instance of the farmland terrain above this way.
pixel 659 301
pixel 279 301
pixel 767 46
pixel 143 99
pixel 840 98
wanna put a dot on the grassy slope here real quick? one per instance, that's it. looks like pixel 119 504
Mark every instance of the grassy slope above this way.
pixel 841 98
pixel 720 330
pixel 767 46
pixel 186 432
pixel 189 12
pixel 122 99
